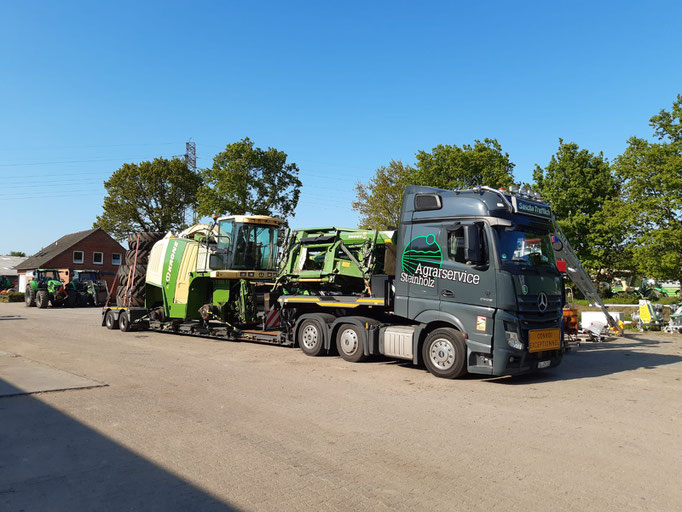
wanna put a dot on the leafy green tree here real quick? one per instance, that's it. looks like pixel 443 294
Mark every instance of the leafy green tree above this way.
pixel 584 196
pixel 19 254
pixel 378 201
pixel 454 167
pixel 149 196
pixel 651 173
pixel 247 179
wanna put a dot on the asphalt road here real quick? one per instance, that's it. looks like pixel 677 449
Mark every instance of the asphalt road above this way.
pixel 192 424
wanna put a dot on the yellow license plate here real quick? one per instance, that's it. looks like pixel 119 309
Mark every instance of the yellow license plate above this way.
pixel 544 339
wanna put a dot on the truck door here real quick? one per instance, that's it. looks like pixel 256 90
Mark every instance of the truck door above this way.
pixel 420 259
pixel 466 289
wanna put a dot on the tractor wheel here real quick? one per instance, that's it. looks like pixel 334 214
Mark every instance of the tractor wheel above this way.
pixel 71 299
pixel 110 320
pixel 42 299
pixel 30 297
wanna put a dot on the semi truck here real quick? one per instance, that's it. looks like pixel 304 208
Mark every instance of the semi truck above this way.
pixel 467 283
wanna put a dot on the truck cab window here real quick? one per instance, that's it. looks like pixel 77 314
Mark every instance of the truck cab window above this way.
pixel 456 246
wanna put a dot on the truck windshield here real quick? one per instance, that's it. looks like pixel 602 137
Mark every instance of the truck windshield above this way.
pixel 524 248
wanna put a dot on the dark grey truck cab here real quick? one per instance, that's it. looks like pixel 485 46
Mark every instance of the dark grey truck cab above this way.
pixel 480 261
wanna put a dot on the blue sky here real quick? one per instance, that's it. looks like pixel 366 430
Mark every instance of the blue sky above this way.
pixel 341 87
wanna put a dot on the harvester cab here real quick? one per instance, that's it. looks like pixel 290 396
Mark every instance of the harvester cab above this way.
pixel 91 288
pixel 46 288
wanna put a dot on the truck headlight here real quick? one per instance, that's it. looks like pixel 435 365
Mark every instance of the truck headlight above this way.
pixel 513 340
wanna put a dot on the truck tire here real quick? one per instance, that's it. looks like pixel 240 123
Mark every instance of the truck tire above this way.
pixel 42 299
pixel 30 297
pixel 350 343
pixel 110 320
pixel 310 337
pixel 444 353
pixel 124 321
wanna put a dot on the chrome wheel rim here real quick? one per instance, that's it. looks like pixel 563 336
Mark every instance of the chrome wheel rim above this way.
pixel 442 354
pixel 349 341
pixel 309 336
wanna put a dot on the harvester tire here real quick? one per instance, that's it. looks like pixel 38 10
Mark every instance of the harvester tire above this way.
pixel 30 297
pixel 42 299
pixel 147 239
pixel 142 257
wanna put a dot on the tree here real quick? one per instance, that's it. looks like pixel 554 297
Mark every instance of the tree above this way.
pixel 378 201
pixel 246 179
pixel 651 173
pixel 584 196
pixel 149 196
pixel 452 167
pixel 19 254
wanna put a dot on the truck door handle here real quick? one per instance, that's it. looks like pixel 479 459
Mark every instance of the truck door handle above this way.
pixel 447 293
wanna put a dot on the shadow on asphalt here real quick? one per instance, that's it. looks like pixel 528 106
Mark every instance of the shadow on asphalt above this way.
pixel 597 360
pixel 11 317
pixel 52 462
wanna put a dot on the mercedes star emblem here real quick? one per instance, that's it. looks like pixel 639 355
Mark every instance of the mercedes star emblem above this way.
pixel 542 302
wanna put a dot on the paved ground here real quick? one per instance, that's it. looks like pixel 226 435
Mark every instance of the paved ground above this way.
pixel 193 424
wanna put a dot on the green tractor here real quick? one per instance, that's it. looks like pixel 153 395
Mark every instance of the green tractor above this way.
pixel 90 287
pixel 46 287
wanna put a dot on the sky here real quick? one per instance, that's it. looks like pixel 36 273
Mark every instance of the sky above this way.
pixel 341 87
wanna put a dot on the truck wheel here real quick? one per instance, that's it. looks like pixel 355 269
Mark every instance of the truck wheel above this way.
pixel 124 321
pixel 30 297
pixel 350 343
pixel 42 299
pixel 444 353
pixel 311 337
pixel 110 320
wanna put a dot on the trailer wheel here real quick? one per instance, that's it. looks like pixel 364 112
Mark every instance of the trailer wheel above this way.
pixel 30 297
pixel 444 353
pixel 311 337
pixel 42 299
pixel 124 321
pixel 350 343
pixel 110 320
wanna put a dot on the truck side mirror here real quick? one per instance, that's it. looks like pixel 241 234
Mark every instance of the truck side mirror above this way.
pixel 472 243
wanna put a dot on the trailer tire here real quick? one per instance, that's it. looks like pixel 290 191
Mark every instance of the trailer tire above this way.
pixel 42 299
pixel 350 343
pixel 124 321
pixel 444 353
pixel 310 337
pixel 110 320
pixel 30 297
